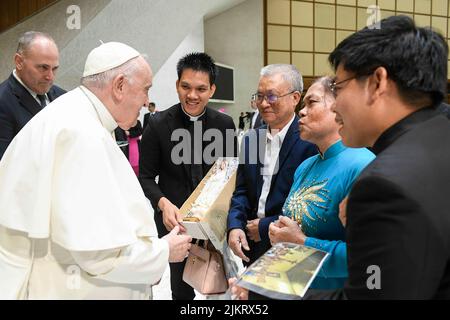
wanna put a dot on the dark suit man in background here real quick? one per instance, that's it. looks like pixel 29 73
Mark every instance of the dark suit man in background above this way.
pixel 151 112
pixel 30 86
pixel 263 185
pixel 389 81
pixel 255 120
pixel 179 177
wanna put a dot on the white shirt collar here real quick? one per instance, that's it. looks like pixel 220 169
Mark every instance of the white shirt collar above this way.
pixel 105 117
pixel 255 115
pixel 193 118
pixel 280 134
pixel 33 94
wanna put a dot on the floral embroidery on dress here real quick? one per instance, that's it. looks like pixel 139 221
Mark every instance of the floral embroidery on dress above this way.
pixel 306 200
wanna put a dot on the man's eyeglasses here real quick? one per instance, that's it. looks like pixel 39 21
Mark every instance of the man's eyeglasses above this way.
pixel 271 98
pixel 334 85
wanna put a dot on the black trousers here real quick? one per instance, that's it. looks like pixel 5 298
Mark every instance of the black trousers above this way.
pixel 180 289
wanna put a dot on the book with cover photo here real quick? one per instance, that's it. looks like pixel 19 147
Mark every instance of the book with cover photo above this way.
pixel 285 271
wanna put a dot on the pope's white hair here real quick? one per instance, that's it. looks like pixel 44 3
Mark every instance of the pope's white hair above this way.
pixel 101 80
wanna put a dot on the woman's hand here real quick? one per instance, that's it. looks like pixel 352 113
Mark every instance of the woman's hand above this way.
pixel 286 230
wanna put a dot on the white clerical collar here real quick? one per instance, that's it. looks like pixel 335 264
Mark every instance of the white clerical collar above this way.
pixel 105 117
pixel 281 134
pixel 193 118
pixel 33 94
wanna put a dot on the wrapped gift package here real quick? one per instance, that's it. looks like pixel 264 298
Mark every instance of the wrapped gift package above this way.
pixel 205 211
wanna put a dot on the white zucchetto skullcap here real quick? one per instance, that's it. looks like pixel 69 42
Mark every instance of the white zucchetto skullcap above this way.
pixel 108 56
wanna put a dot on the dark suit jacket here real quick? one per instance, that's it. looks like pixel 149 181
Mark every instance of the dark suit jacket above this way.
pixel 249 182
pixel 398 214
pixel 445 109
pixel 17 107
pixel 146 116
pixel 155 160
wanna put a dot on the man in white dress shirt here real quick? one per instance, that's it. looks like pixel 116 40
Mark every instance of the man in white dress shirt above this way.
pixel 75 223
pixel 262 187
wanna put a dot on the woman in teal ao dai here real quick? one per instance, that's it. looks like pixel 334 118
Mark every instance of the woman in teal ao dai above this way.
pixel 321 183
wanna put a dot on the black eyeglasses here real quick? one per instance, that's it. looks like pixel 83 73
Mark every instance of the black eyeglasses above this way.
pixel 271 98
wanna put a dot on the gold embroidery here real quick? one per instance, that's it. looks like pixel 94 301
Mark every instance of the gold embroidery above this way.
pixel 304 202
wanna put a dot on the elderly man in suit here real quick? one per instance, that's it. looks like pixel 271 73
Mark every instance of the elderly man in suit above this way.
pixel 269 157
pixel 30 86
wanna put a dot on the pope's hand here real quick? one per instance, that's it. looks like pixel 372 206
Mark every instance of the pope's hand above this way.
pixel 179 245
pixel 171 214
pixel 237 240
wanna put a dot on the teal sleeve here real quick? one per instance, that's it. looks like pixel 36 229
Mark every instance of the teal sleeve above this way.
pixel 336 264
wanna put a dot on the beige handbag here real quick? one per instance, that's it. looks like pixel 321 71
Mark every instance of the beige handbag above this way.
pixel 204 270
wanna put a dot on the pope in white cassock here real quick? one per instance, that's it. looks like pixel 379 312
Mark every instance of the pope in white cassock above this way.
pixel 74 222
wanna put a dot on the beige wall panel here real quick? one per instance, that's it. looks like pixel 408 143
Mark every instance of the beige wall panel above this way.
pixel 278 38
pixel 324 15
pixel 304 62
pixel 423 6
pixel 386 14
pixel 347 2
pixel 448 27
pixel 422 20
pixel 366 3
pixel 346 18
pixel 439 7
pixel 302 14
pixel 341 35
pixel 406 14
pixel 448 68
pixel 362 18
pixel 387 4
pixel 324 40
pixel 321 65
pixel 327 1
pixel 405 5
pixel 278 11
pixel 440 24
pixel 278 57
pixel 302 39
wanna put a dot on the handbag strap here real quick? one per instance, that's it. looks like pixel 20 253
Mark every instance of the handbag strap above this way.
pixel 205 243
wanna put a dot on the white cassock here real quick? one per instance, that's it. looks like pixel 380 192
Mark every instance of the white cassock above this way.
pixel 74 221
